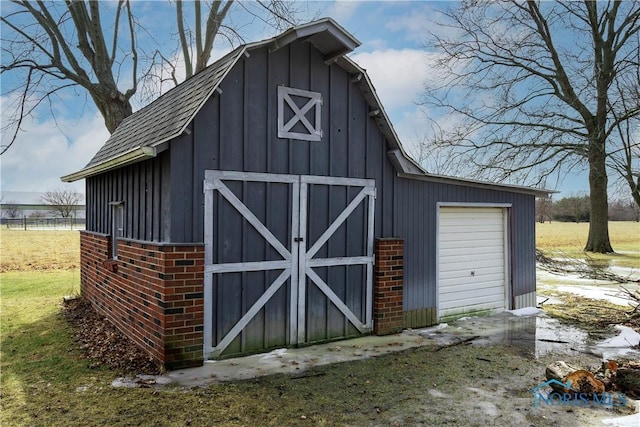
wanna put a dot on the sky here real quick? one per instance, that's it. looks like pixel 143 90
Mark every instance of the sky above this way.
pixel 392 52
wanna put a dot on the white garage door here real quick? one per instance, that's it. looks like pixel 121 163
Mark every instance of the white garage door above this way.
pixel 471 261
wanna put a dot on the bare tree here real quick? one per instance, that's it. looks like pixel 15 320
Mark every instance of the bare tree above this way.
pixel 200 27
pixel 52 47
pixel 63 202
pixel 11 209
pixel 57 45
pixel 541 89
pixel 544 207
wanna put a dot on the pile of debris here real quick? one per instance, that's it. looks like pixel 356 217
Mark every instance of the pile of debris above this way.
pixel 559 262
pixel 102 343
pixel 611 377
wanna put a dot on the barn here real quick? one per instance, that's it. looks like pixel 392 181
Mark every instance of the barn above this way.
pixel 268 202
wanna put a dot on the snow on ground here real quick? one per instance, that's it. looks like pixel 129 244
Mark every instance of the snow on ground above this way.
pixel 526 311
pixel 612 295
pixel 628 337
pixel 548 278
pixel 624 344
pixel 601 290
pixel 628 421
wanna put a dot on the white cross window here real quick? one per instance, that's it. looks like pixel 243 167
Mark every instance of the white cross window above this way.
pixel 299 114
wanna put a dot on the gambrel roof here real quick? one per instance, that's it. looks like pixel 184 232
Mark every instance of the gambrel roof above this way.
pixel 145 133
pixel 148 131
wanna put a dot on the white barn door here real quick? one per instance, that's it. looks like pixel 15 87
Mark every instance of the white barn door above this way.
pixel 472 261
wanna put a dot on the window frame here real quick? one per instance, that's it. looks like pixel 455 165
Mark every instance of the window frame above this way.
pixel 313 103
pixel 117 226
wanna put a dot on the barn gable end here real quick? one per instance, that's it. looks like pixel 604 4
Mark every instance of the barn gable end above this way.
pixel 215 166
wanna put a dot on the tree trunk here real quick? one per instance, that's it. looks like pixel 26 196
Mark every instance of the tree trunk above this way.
pixel 598 240
pixel 114 108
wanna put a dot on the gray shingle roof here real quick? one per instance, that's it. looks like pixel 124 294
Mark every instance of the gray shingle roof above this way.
pixel 168 116
pixel 143 134
pixel 140 134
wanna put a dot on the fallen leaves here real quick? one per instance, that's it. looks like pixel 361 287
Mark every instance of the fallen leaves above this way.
pixel 102 343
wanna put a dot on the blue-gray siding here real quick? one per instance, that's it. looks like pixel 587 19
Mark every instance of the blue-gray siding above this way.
pixel 236 130
pixel 417 221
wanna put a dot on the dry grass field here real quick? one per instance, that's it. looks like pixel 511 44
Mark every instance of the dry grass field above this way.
pixel 22 250
pixel 60 249
pixel 625 236
pixel 567 239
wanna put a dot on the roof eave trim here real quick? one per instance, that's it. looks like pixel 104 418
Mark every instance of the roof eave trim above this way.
pixel 133 156
pixel 538 192
pixel 342 36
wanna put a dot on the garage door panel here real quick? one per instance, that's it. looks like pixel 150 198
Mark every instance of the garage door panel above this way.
pixel 471 260
pixel 467 305
pixel 478 213
pixel 472 270
pixel 466 239
pixel 451 284
pixel 461 230
pixel 470 301
pixel 463 248
pixel 464 230
pixel 453 261
pixel 478 290
pixel 493 295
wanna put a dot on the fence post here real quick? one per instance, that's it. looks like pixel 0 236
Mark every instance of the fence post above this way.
pixel 24 221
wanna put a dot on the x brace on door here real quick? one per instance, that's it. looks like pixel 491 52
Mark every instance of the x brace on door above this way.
pixel 297 263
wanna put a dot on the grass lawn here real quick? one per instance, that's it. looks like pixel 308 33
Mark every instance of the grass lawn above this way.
pixel 568 239
pixel 39 250
pixel 45 381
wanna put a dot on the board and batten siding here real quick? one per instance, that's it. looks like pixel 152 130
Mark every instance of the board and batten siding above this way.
pixel 143 187
pixel 237 131
pixel 416 221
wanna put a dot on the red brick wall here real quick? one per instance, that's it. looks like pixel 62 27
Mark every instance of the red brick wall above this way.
pixel 153 293
pixel 388 316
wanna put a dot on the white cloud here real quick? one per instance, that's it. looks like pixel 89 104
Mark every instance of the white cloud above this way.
pixel 413 26
pixel 394 73
pixel 397 74
pixel 43 153
pixel 342 11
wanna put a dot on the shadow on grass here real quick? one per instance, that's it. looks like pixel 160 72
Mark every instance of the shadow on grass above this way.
pixel 46 382
pixel 39 362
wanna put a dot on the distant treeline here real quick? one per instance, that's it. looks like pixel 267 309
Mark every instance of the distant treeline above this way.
pixel 576 209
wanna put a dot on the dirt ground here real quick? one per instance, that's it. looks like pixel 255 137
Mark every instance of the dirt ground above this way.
pixel 471 381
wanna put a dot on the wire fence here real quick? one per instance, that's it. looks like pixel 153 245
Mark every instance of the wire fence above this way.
pixel 43 223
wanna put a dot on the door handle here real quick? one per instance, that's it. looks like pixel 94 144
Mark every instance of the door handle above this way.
pixel 298 239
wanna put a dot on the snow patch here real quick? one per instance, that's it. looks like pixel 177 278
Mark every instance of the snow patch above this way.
pixel 437 393
pixel 627 338
pixel 525 311
pixel 596 292
pixel 628 421
pixel 277 353
pixel 625 343
pixel 432 330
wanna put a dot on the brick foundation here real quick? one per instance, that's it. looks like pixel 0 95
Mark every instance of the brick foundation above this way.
pixel 153 293
pixel 388 316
